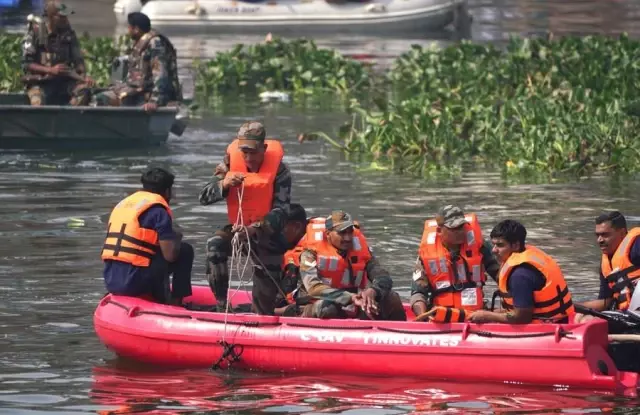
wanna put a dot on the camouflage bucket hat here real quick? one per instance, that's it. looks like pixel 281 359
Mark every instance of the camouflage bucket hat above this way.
pixel 451 216
pixel 339 221
pixel 61 9
pixel 251 134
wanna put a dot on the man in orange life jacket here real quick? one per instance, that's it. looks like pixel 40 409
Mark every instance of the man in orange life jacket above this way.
pixel 338 270
pixel 294 234
pixel 257 187
pixel 619 265
pixel 450 270
pixel 143 247
pixel 531 284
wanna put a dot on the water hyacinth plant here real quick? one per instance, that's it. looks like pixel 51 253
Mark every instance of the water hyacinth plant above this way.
pixel 297 66
pixel 540 106
pixel 10 65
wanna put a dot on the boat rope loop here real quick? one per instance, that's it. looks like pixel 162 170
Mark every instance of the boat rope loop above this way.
pixel 230 354
pixel 481 333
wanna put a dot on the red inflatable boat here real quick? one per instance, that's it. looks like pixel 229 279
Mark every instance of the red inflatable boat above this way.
pixel 547 354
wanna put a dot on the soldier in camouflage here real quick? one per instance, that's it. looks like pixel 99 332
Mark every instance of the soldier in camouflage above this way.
pixel 375 302
pixel 267 244
pixel 152 75
pixel 422 293
pixel 52 61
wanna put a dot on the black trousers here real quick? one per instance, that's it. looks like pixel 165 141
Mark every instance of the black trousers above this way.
pixel 180 270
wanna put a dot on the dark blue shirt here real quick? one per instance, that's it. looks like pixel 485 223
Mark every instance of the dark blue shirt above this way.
pixel 523 281
pixel 634 257
pixel 126 279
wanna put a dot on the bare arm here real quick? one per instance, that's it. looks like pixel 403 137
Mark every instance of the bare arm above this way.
pixel 420 290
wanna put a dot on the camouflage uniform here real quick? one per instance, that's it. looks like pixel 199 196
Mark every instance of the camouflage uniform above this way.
pixel 152 75
pixel 41 46
pixel 269 247
pixel 421 290
pixel 332 301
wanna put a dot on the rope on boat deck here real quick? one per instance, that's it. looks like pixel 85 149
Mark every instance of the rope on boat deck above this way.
pixel 229 355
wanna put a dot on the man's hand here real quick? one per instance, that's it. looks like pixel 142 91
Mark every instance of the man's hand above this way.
pixel 232 180
pixel 89 81
pixel 582 318
pixel 481 316
pixel 245 232
pixel 59 69
pixel 356 299
pixel 426 315
pixel 369 304
pixel 150 107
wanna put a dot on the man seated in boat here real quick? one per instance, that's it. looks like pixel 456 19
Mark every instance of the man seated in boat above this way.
pixel 256 184
pixel 338 271
pixel 619 265
pixel 143 246
pixel 530 284
pixel 453 259
pixel 152 74
pixel 55 73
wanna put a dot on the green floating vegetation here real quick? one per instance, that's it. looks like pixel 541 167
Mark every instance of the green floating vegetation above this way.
pixel 540 106
pixel 99 54
pixel 296 66
pixel 536 108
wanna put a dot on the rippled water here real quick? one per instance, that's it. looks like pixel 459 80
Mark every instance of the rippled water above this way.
pixel 53 212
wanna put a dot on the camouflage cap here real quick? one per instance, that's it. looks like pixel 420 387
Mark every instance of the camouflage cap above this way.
pixel 450 216
pixel 339 221
pixel 53 7
pixel 251 134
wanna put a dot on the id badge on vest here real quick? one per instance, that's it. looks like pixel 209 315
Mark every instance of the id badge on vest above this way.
pixel 469 297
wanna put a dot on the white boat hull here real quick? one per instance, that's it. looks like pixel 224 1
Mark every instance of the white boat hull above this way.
pixel 279 16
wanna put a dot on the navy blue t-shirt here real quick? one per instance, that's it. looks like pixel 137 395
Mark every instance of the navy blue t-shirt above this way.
pixel 634 257
pixel 126 279
pixel 523 281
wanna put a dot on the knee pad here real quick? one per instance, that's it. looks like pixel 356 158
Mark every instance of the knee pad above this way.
pixel 216 251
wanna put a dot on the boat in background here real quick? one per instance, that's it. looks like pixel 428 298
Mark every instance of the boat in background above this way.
pixel 381 17
pixel 23 126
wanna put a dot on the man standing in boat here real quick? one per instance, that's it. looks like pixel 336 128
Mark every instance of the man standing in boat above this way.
pixel 339 271
pixel 531 284
pixel 453 259
pixel 52 61
pixel 619 265
pixel 256 184
pixel 152 75
pixel 143 246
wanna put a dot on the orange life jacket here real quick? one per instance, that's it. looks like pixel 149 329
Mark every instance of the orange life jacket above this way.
pixel 553 302
pixel 456 285
pixel 291 261
pixel 620 273
pixel 257 188
pixel 347 273
pixel 126 241
pixel 315 233
pixel 448 315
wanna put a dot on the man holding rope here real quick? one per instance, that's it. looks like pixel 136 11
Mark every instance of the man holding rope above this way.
pixel 257 187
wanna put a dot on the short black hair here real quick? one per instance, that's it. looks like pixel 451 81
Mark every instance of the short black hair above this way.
pixel 511 231
pixel 139 20
pixel 616 218
pixel 297 213
pixel 157 180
